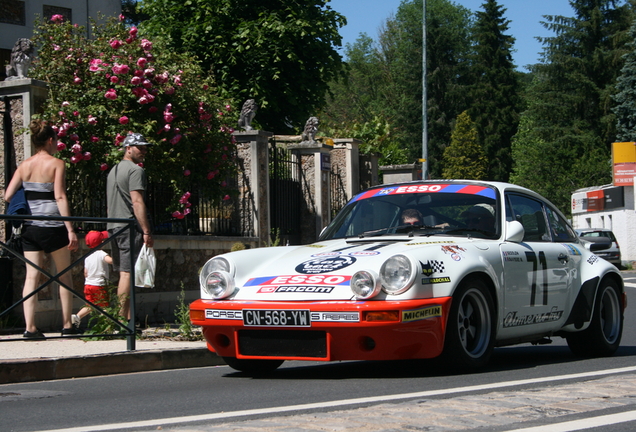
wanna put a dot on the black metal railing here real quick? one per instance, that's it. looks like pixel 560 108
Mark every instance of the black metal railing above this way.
pixel 127 329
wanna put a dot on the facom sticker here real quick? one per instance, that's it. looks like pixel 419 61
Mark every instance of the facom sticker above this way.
pixel 325 265
pixel 421 314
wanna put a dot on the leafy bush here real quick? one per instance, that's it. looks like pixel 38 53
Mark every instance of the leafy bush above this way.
pixel 117 81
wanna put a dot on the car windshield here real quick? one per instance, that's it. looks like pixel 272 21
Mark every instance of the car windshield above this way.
pixel 466 210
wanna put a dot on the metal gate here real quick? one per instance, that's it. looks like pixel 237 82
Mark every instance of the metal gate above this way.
pixel 286 198
pixel 338 194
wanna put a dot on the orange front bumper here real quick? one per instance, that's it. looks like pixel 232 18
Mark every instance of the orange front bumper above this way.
pixel 383 330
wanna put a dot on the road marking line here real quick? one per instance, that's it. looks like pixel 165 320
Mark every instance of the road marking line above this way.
pixel 586 423
pixel 340 403
pixel 630 284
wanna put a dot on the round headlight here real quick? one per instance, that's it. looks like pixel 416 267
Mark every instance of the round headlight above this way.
pixel 365 284
pixel 219 284
pixel 215 264
pixel 396 275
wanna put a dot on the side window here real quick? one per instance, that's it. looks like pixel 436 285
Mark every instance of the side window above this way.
pixel 529 212
pixel 561 231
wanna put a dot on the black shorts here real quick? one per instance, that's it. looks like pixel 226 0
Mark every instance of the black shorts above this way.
pixel 120 249
pixel 47 239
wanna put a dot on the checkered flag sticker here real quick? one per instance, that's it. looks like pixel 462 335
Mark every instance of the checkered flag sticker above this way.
pixel 433 266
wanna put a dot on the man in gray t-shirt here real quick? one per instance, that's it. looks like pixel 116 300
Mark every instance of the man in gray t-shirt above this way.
pixel 125 191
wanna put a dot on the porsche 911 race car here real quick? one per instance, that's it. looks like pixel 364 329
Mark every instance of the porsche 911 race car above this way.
pixel 413 271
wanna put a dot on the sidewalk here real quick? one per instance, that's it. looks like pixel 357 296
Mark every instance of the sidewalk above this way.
pixel 28 360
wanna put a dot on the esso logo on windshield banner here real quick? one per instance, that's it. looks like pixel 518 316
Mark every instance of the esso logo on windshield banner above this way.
pixel 420 188
pixel 325 265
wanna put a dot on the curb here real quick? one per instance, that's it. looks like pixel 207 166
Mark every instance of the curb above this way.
pixel 29 370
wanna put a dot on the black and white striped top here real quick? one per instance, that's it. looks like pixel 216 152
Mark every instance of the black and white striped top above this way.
pixel 42 202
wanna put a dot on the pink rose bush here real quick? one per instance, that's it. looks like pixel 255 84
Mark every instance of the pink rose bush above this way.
pixel 121 82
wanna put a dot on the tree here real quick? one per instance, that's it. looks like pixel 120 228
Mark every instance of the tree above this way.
pixel 118 82
pixel 281 53
pixel 464 158
pixel 625 98
pixel 495 91
pixel 569 101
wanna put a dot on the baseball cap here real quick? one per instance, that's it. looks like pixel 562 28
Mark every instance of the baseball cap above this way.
pixel 95 238
pixel 135 139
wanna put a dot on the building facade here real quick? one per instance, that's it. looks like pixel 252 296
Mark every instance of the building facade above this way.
pixel 17 18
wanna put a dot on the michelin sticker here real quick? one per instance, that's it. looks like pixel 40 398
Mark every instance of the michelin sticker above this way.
pixel 421 314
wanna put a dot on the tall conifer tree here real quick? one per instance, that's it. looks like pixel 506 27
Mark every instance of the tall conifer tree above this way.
pixel 625 110
pixel 495 98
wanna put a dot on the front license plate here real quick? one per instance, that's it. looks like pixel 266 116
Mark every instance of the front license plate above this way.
pixel 276 318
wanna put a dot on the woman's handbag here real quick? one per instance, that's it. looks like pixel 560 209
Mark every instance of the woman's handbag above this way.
pixel 145 268
pixel 14 243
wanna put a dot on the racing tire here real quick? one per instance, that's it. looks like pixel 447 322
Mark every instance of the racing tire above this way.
pixel 603 336
pixel 470 329
pixel 253 366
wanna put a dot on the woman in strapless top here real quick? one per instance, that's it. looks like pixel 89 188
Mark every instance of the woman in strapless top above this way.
pixel 44 179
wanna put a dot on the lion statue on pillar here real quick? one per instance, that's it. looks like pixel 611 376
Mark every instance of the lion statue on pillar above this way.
pixel 21 56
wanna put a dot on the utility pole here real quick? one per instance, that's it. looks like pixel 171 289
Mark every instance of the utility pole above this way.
pixel 424 159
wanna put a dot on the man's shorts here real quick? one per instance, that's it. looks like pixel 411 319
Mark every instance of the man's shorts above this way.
pixel 121 251
pixel 96 295
pixel 47 239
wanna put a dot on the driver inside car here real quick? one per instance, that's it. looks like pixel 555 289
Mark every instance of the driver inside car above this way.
pixel 412 216
pixel 480 217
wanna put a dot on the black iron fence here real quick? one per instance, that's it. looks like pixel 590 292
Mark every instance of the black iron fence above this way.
pixel 126 329
pixel 338 192
pixel 286 198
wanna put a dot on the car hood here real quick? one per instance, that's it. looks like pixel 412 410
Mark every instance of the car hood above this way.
pixel 323 270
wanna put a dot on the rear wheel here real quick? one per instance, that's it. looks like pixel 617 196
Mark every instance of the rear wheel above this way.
pixel 470 331
pixel 603 336
pixel 253 366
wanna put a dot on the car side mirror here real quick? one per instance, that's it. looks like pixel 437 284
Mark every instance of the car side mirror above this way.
pixel 514 231
pixel 596 245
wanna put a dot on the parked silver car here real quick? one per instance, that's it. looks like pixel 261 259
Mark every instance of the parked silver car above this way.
pixel 596 235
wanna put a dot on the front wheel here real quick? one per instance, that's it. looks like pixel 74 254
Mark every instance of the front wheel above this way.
pixel 603 336
pixel 253 366
pixel 470 331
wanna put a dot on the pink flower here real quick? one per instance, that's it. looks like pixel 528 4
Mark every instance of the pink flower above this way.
pixel 119 139
pixel 168 117
pixel 130 40
pixel 87 156
pixel 153 109
pixel 65 104
pixel 150 72
pixel 95 65
pixel 121 69
pixel 94 139
pixel 175 140
pixel 57 18
pixel 138 73
pixel 110 94
pixel 115 44
pixel 186 211
pixel 210 175
pixel 228 108
pixel 135 80
pixel 178 215
pixel 169 91
pixel 77 80
pixel 141 62
pixel 121 17
pixel 226 197
pixel 186 173
pixel 76 158
pixel 205 86
pixel 146 83
pixel 114 79
pixel 103 167
pixel 61 146
pixel 74 137
pixel 92 120
pixel 133 31
pixel 146 44
pixel 123 120
pixel 76 113
pixel 77 148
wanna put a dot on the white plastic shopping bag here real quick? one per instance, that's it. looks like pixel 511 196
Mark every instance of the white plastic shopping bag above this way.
pixel 145 268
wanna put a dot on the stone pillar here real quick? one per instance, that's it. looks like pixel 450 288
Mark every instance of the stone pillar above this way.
pixel 346 156
pixel 253 152
pixel 315 158
pixel 401 173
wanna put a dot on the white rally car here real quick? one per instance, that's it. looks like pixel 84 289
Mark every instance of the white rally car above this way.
pixel 412 271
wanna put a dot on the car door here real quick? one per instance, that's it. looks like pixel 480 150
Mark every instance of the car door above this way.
pixel 537 273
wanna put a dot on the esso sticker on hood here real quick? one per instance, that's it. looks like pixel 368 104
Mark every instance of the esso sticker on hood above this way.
pixel 300 280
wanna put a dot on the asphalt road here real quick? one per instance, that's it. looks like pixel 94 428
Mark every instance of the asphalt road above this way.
pixel 524 386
